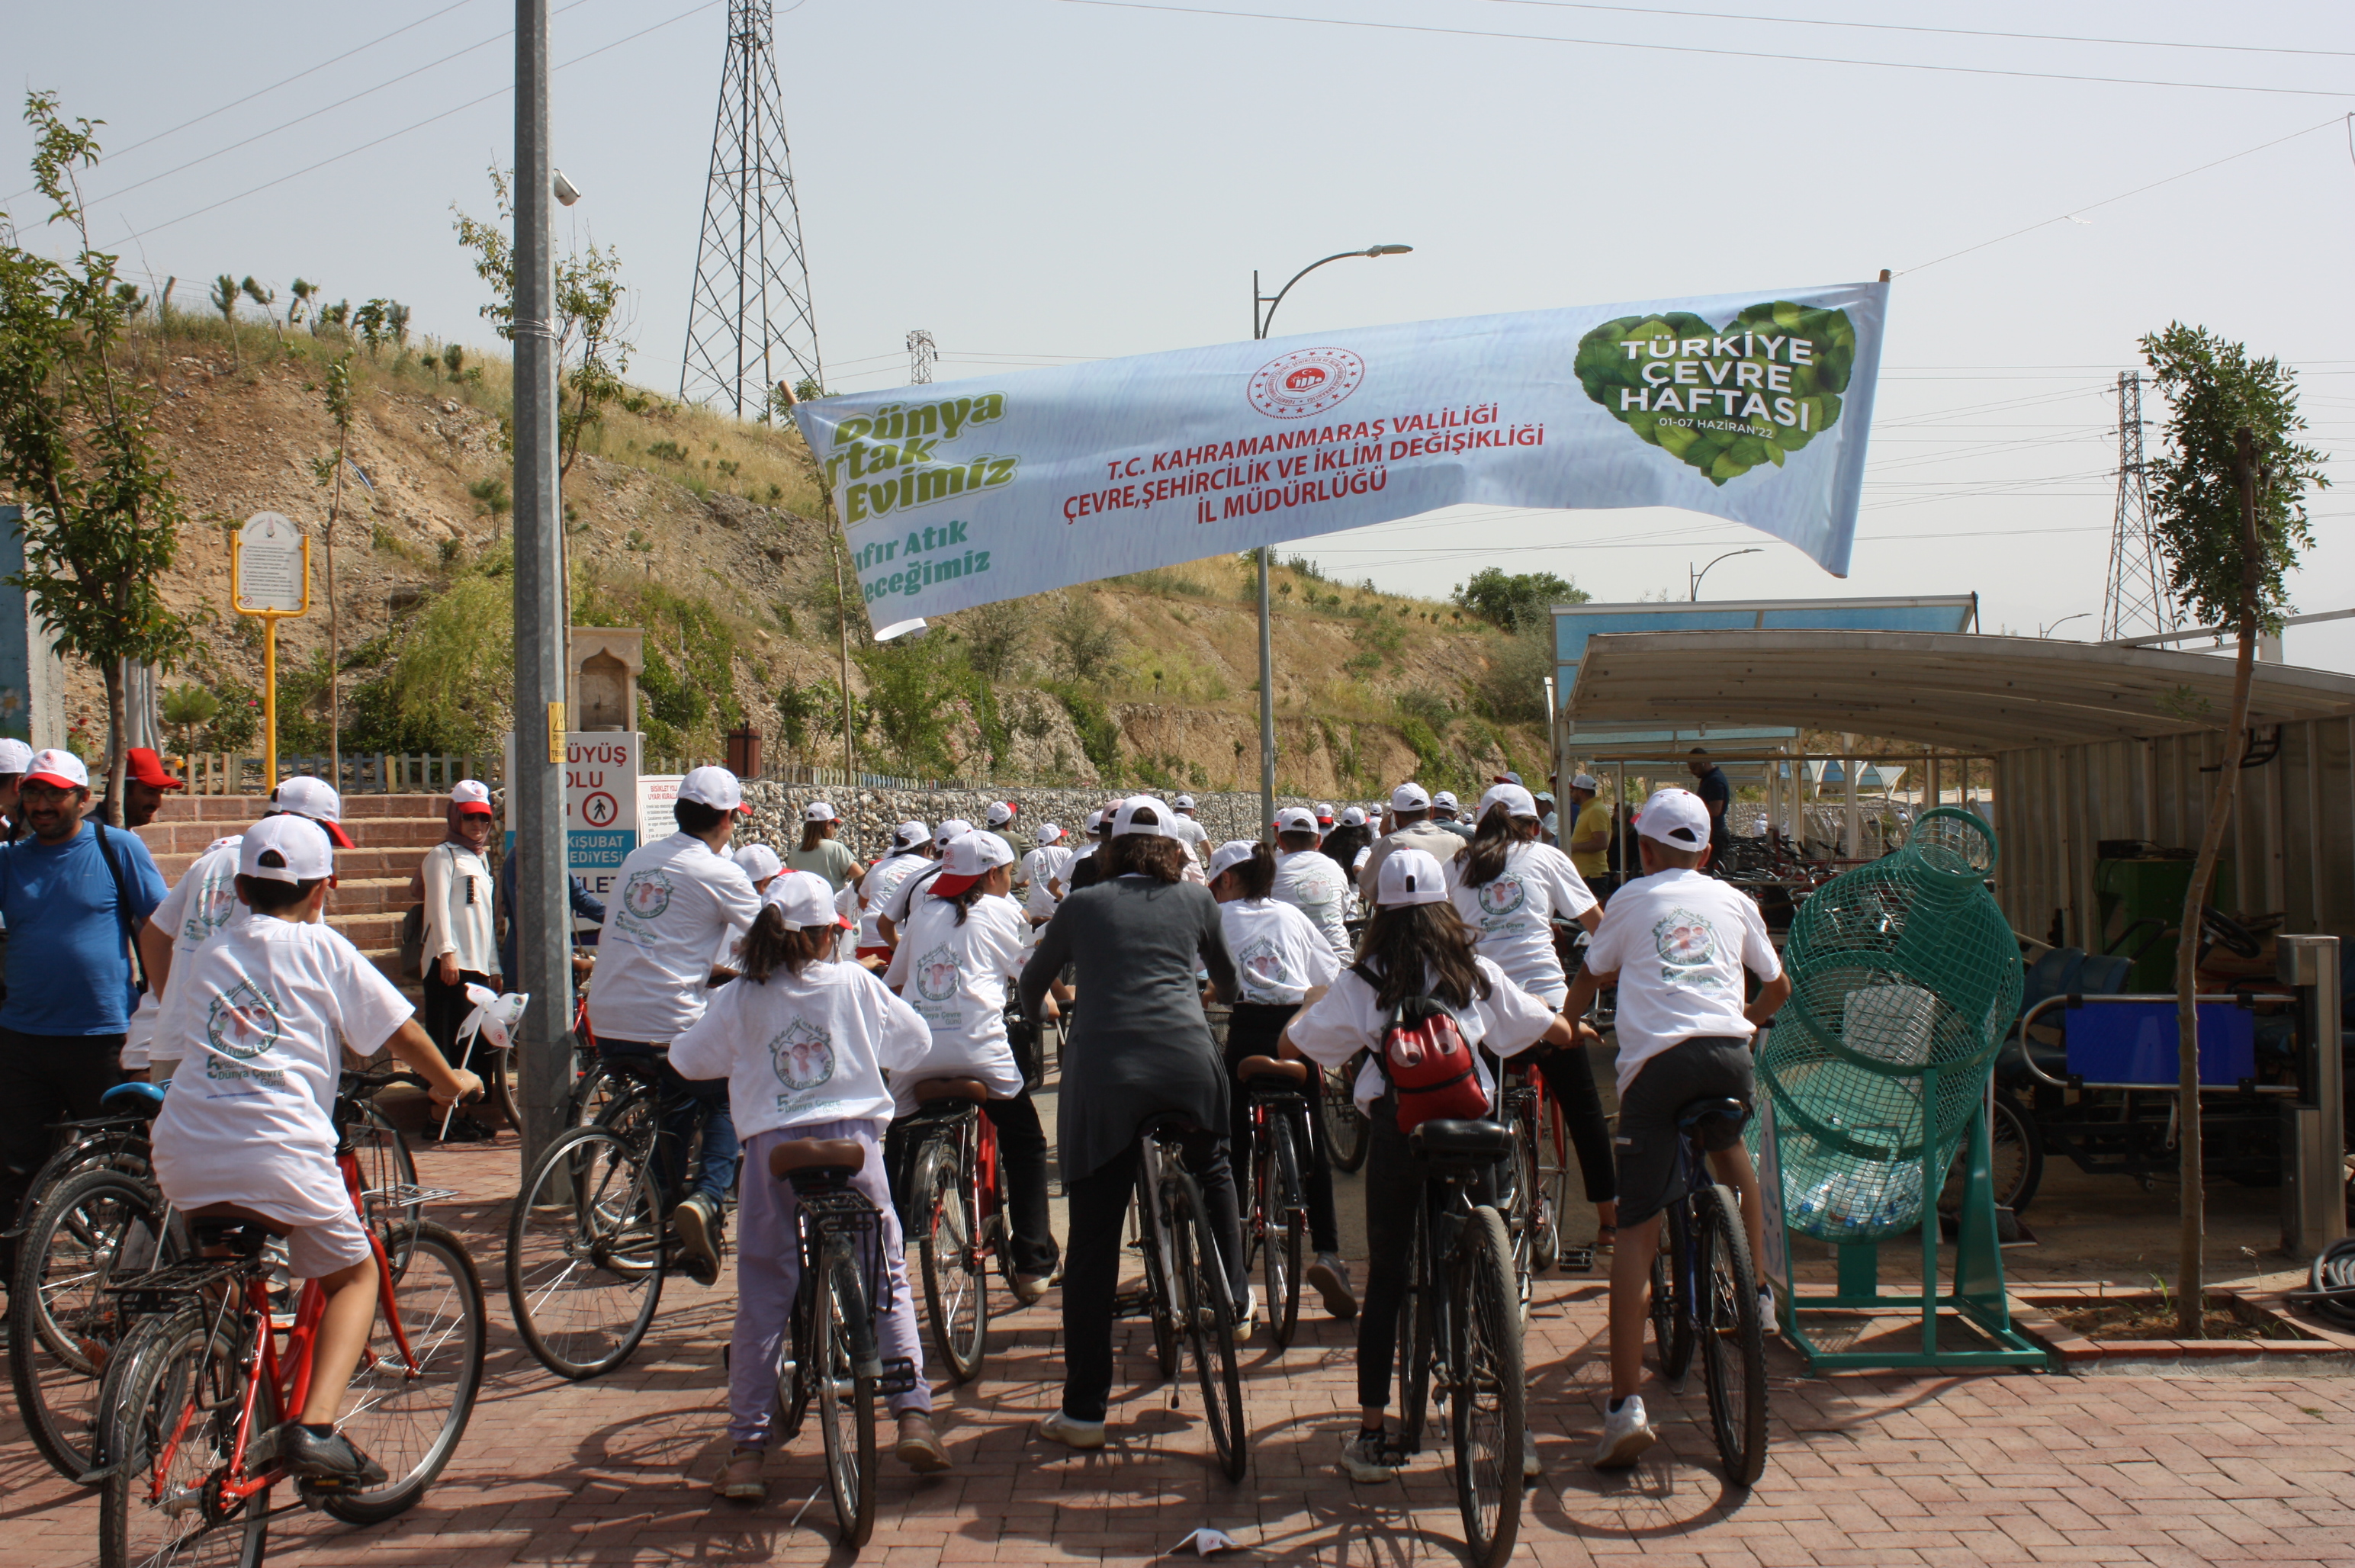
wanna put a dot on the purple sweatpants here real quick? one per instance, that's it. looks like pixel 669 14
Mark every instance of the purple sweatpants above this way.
pixel 768 1272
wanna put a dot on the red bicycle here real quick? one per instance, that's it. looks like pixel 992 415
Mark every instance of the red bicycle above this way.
pixel 192 1403
pixel 956 1201
pixel 1535 1182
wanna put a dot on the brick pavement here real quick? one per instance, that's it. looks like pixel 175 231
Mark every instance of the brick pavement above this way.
pixel 1875 1470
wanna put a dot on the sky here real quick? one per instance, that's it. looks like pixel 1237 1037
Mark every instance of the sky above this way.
pixel 1042 181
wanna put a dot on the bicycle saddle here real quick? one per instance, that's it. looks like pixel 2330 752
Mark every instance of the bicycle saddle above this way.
pixel 133 1099
pixel 1701 1111
pixel 847 1155
pixel 928 1090
pixel 1268 1069
pixel 226 1224
pixel 1446 1139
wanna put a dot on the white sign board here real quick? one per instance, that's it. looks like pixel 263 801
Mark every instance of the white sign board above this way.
pixel 657 798
pixel 273 568
pixel 600 797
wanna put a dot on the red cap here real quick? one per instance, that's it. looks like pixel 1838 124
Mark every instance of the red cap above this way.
pixel 148 768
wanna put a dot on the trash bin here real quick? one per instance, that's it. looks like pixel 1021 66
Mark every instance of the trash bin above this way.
pixel 2137 897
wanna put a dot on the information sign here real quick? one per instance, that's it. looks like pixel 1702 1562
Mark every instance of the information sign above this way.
pixel 271 568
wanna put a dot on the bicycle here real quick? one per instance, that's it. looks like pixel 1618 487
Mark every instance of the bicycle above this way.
pixel 1460 1330
pixel 1186 1294
pixel 1347 1134
pixel 588 1242
pixel 956 1201
pixel 1275 1228
pixel 192 1405
pixel 832 1353
pixel 1534 1187
pixel 1705 1294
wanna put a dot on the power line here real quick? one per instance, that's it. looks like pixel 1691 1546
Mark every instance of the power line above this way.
pixel 1704 49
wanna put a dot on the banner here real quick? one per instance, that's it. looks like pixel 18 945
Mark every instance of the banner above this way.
pixel 1748 407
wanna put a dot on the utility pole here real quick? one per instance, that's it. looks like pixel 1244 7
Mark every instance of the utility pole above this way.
pixel 922 355
pixel 535 788
pixel 2136 601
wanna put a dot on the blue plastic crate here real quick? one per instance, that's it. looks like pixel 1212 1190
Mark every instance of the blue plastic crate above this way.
pixel 2137 1042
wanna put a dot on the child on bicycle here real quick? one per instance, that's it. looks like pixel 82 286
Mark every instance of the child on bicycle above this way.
pixel 804 1042
pixel 1415 945
pixel 964 941
pixel 1281 961
pixel 1675 942
pixel 258 1017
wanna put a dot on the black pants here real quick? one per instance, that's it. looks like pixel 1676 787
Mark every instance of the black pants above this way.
pixel 446 1007
pixel 1022 1152
pixel 1394 1179
pixel 1252 1032
pixel 1570 1078
pixel 44 1079
pixel 1099 1208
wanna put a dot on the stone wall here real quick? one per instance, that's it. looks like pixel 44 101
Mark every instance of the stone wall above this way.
pixel 870 816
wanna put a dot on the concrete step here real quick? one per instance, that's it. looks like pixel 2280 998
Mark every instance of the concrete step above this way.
pixel 350 864
pixel 405 838
pixel 243 808
pixel 372 932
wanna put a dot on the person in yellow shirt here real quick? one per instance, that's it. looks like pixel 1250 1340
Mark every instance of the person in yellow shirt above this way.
pixel 1589 832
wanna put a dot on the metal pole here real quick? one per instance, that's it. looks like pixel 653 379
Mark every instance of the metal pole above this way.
pixel 543 920
pixel 1266 714
pixel 270 701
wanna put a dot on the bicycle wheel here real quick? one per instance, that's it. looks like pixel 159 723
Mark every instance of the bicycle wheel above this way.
pixel 1553 1184
pixel 385 1162
pixel 592 1094
pixel 1733 1341
pixel 499 1081
pixel 1517 1200
pixel 845 1398
pixel 2016 1160
pixel 1672 1332
pixel 91 1229
pixel 585 1261
pixel 1486 1385
pixel 1416 1332
pixel 957 1276
pixel 409 1411
pixel 1161 1304
pixel 1347 1134
pixel 1285 1209
pixel 171 1429
pixel 1207 1310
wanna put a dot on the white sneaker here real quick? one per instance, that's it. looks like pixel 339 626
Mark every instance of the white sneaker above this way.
pixel 1248 1320
pixel 1072 1434
pixel 1626 1434
pixel 1367 1457
pixel 1532 1467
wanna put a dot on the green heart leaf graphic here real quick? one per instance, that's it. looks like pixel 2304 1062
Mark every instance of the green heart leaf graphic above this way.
pixel 1725 399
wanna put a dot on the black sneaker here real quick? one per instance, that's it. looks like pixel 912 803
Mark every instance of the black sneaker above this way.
pixel 463 1129
pixel 330 1458
pixel 696 1221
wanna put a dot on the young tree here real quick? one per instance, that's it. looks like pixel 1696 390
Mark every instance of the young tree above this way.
pixel 301 303
pixel 2229 502
pixel 265 298
pixel 187 708
pixel 102 520
pixel 335 391
pixel 225 298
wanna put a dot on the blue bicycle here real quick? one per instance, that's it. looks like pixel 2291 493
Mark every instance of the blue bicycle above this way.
pixel 1705 1294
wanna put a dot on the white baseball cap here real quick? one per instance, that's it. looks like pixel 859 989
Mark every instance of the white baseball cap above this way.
pixel 301 844
pixel 999 814
pixel 1324 811
pixel 1446 799
pixel 949 832
pixel 760 861
pixel 471 796
pixel 1409 796
pixel 1507 778
pixel 969 859
pixel 1585 782
pixel 1184 803
pixel 815 811
pixel 61 770
pixel 1409 876
pixel 715 787
pixel 1048 833
pixel 1294 819
pixel 1674 817
pixel 1125 822
pixel 304 796
pixel 911 834
pixel 1095 820
pixel 15 756
pixel 803 897
pixel 1516 800
pixel 1353 816
pixel 1233 852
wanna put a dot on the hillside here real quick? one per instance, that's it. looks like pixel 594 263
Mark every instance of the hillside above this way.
pixel 706 531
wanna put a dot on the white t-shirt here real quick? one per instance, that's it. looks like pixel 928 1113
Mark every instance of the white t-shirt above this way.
pixel 1039 867
pixel 458 898
pixel 260 1015
pixel 1679 942
pixel 956 976
pixel 883 880
pixel 1195 834
pixel 676 901
pixel 1350 1018
pixel 811 1047
pixel 1278 954
pixel 1311 881
pixel 202 902
pixel 1514 912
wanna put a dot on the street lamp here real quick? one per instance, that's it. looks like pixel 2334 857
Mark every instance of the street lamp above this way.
pixel 2042 632
pixel 1696 576
pixel 1260 321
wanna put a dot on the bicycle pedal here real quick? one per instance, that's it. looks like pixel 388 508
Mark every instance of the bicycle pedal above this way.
pixel 1576 1260
pixel 899 1376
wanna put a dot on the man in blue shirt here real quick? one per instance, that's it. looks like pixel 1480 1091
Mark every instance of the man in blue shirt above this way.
pixel 70 898
pixel 1716 792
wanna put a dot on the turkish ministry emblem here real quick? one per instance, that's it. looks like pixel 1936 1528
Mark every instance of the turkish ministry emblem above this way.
pixel 1305 382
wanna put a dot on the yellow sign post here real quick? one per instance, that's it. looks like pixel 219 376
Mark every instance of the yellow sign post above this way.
pixel 270 579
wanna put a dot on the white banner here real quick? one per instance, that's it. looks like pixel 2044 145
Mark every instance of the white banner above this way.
pixel 1748 407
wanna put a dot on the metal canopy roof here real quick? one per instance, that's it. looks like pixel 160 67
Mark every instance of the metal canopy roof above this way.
pixel 1973 692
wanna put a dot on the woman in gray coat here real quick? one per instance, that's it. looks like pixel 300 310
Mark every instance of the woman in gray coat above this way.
pixel 1139 1048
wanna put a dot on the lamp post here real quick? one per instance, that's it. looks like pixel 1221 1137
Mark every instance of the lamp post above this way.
pixel 1260 321
pixel 2043 631
pixel 1696 576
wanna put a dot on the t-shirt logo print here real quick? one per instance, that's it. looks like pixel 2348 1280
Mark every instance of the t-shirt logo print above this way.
pixel 647 895
pixel 242 1022
pixel 1685 942
pixel 1501 897
pixel 803 1055
pixel 936 975
pixel 1263 966
pixel 216 902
